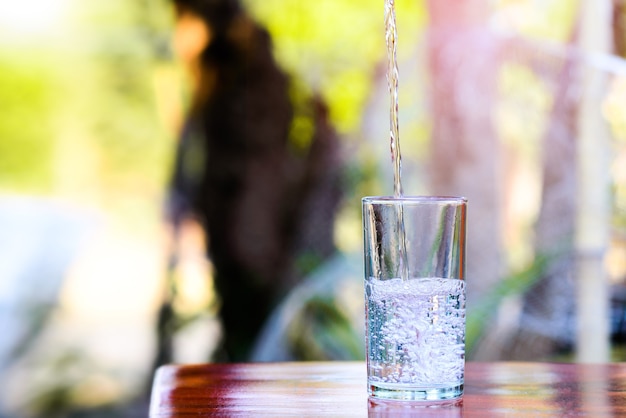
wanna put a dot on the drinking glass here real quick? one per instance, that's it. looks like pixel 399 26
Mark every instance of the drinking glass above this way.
pixel 415 297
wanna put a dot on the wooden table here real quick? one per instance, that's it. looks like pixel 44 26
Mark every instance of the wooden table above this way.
pixel 339 389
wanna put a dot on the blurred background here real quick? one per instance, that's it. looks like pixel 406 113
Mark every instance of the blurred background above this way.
pixel 519 105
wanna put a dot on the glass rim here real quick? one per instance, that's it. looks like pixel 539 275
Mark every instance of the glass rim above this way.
pixel 418 199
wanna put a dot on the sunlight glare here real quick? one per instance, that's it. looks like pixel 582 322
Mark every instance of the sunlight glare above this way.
pixel 31 17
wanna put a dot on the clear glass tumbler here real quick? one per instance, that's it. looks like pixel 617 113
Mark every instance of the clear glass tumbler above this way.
pixel 415 297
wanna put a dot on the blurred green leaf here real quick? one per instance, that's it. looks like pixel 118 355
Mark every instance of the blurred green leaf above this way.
pixel 27 106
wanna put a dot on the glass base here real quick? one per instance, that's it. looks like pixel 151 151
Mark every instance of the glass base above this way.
pixel 417 394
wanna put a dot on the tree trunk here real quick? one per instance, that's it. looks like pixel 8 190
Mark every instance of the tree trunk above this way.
pixel 619 27
pixel 465 154
pixel 548 309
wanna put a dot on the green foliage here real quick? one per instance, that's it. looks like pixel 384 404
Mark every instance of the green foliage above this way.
pixel 335 46
pixel 483 313
pixel 322 331
pixel 79 112
pixel 120 65
pixel 27 122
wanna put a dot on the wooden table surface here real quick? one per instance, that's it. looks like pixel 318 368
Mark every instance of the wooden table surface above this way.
pixel 339 389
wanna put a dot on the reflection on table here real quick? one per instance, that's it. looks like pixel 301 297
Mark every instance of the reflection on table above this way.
pixel 339 389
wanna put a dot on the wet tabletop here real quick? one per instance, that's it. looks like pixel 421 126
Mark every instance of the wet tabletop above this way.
pixel 339 389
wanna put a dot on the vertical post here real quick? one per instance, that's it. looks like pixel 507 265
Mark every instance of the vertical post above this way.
pixel 593 218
